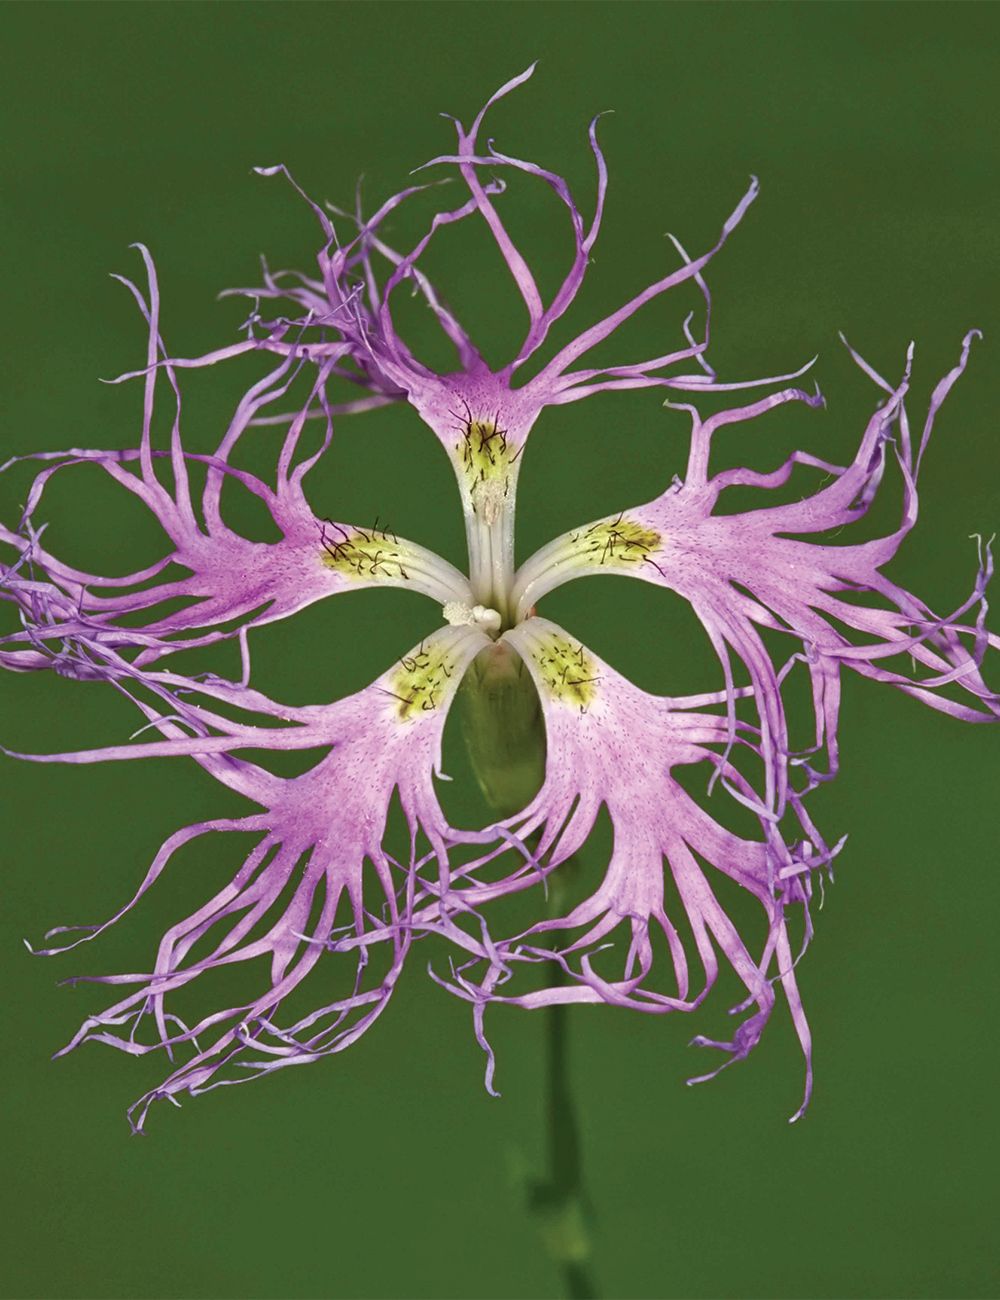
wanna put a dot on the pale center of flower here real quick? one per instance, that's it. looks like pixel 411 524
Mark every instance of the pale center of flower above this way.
pixel 459 615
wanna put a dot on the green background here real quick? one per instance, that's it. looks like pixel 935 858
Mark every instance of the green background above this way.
pixel 386 1172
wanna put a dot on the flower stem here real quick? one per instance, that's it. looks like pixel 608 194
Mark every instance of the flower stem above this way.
pixel 560 1201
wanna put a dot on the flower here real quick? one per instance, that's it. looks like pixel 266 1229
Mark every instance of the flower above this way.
pixel 554 733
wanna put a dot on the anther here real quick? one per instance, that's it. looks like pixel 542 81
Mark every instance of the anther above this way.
pixel 460 615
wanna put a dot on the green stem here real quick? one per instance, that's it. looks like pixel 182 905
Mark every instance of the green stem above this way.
pixel 560 1201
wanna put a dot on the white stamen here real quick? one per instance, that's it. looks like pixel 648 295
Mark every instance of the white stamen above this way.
pixel 460 615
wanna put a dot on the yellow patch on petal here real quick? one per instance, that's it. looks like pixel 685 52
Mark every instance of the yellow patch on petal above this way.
pixel 422 682
pixel 486 461
pixel 615 541
pixel 569 673
pixel 365 555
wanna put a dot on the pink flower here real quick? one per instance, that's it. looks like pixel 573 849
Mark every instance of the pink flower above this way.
pixel 319 881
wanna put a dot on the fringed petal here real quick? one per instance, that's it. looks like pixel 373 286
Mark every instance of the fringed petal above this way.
pixel 612 745
pixel 231 579
pixel 348 303
pixel 748 570
pixel 301 890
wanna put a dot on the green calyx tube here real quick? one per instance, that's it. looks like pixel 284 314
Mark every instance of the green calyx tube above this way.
pixel 503 727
